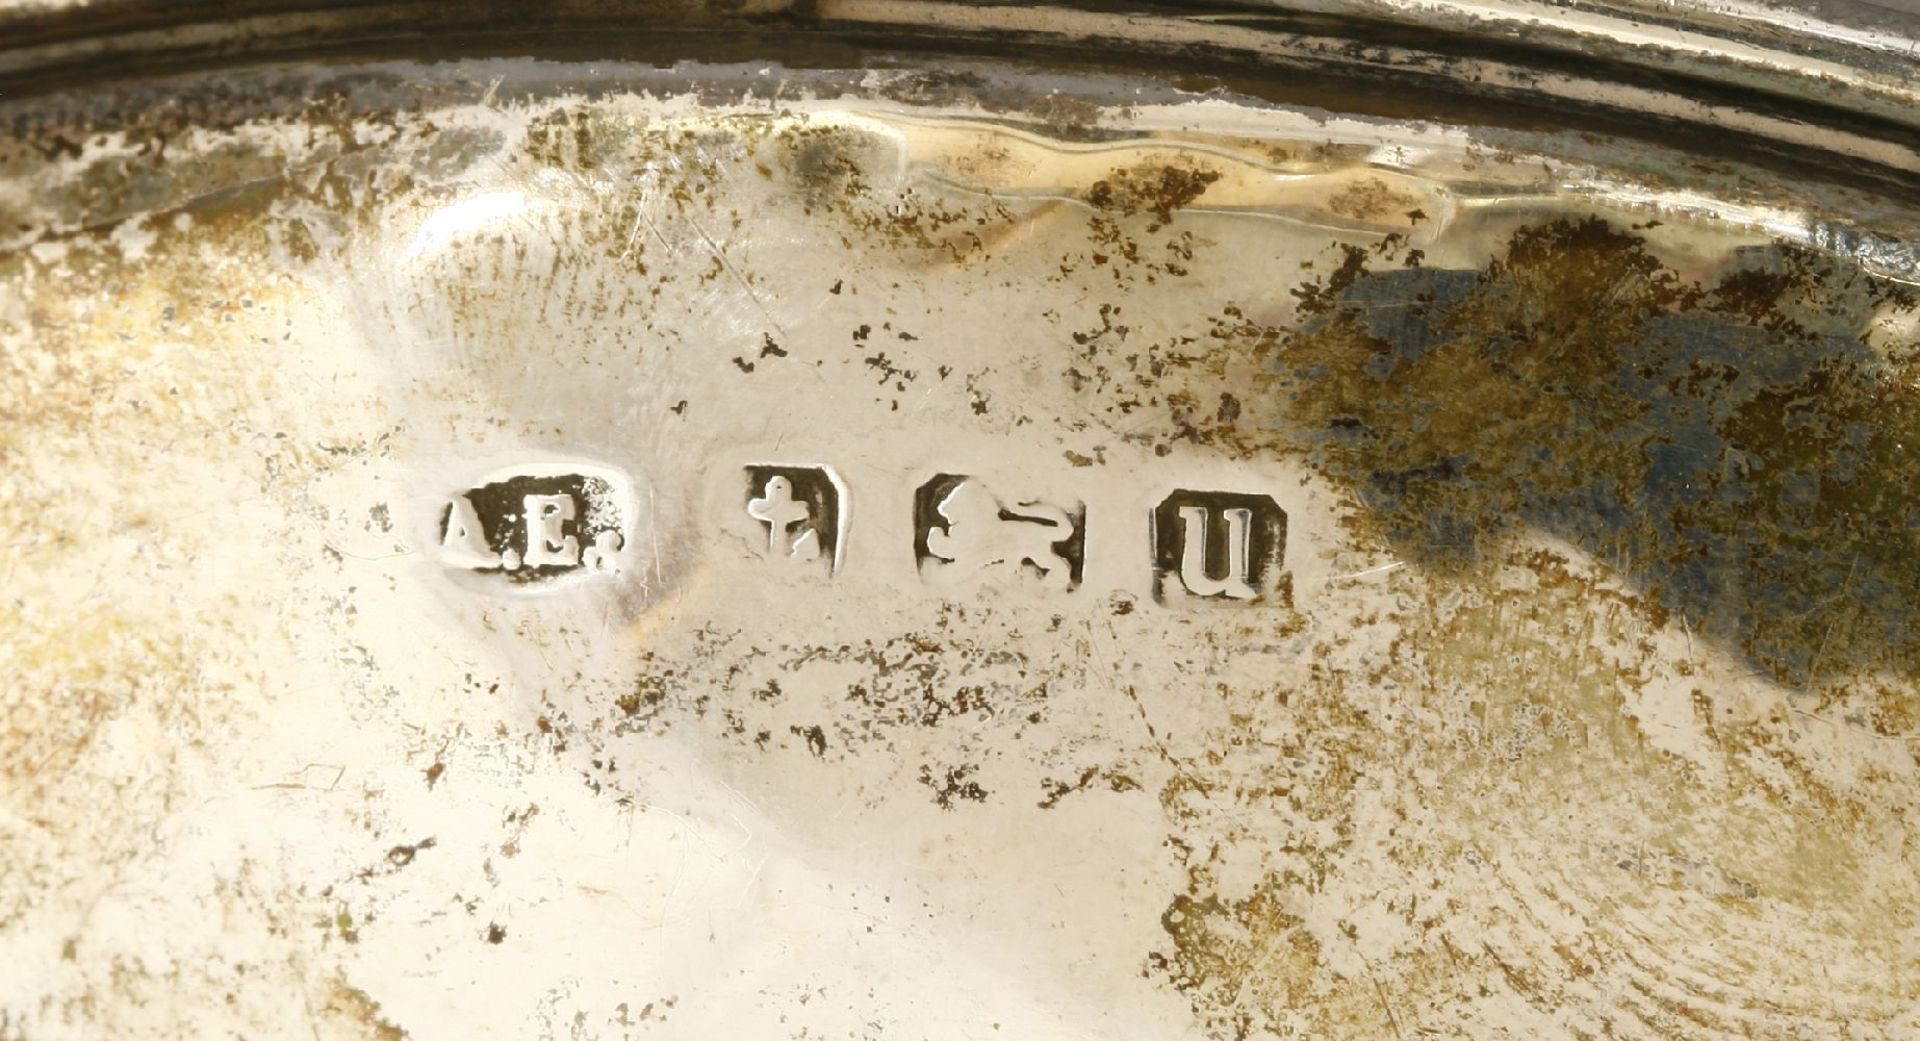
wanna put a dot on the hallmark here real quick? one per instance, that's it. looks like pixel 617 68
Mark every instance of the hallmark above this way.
pixel 801 512
pixel 536 525
pixel 1217 546
pixel 1203 547
pixel 962 529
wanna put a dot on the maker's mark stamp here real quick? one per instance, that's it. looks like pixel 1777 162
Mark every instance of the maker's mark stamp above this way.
pixel 1227 547
pixel 535 525
pixel 962 528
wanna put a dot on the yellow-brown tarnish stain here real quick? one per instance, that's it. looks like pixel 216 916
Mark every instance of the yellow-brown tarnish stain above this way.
pixel 1370 198
pixel 1597 718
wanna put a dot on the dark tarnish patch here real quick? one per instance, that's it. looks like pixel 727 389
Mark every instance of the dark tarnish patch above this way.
pixel 1113 780
pixel 828 168
pixel 1735 449
pixel 828 164
pixel 952 784
pixel 1158 190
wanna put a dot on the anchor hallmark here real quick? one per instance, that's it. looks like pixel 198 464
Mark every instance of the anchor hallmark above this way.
pixel 802 514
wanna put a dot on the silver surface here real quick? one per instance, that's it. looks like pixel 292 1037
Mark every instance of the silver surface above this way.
pixel 925 540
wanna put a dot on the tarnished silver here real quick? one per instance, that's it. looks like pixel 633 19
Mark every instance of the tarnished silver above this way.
pixel 885 519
